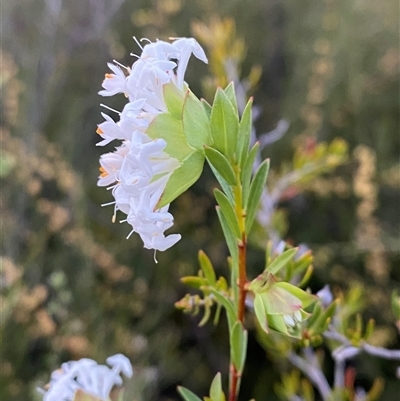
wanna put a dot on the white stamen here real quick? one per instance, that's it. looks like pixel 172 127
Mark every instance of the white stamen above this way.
pixel 109 108
pixel 146 39
pixel 138 43
pixel 112 186
pixel 121 65
pixel 155 259
pixel 107 204
pixel 130 234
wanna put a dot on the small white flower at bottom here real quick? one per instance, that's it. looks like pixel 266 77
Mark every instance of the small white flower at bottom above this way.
pixel 88 376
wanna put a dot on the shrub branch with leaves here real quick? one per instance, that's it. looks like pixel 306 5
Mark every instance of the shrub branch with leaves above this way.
pixel 165 135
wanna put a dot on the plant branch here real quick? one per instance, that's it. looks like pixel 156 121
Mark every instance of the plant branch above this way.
pixel 347 350
pixel 235 375
pixel 310 368
pixel 367 348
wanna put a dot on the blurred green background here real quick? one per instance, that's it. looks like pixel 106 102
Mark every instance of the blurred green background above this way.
pixel 72 286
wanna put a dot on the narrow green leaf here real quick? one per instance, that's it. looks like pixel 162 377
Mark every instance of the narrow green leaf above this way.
pixel 244 135
pixel 260 312
pixel 221 164
pixel 281 261
pixel 187 395
pixel 217 314
pixel 207 314
pixel 303 262
pixel 247 170
pixel 277 323
pixel 216 393
pixel 207 267
pixel 232 243
pixel 230 93
pixel 238 339
pixel 306 277
pixel 194 281
pixel 315 315
pixel 224 184
pixel 234 269
pixel 182 178
pixel 227 304
pixel 170 129
pixel 231 240
pixel 224 123
pixel 228 211
pixel 196 123
pixel 174 98
pixel 320 322
pixel 207 107
pixel 256 189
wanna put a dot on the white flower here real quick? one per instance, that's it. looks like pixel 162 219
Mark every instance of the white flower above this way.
pixel 113 83
pixel 187 46
pixel 110 166
pixel 87 375
pixel 138 171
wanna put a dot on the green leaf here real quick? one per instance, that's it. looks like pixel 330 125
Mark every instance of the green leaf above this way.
pixel 224 123
pixel 303 262
pixel 230 93
pixel 174 98
pixel 231 240
pixel 281 261
pixel 194 281
pixel 315 315
pixel 247 170
pixel 238 339
pixel 307 276
pixel 182 178
pixel 305 297
pixel 216 393
pixel 227 304
pixel 277 322
pixel 320 323
pixel 256 189
pixel 260 312
pixel 207 314
pixel 207 107
pixel 228 211
pixel 224 185
pixel 207 267
pixel 170 129
pixel 221 164
pixel 187 395
pixel 245 125
pixel 196 124
pixel 232 243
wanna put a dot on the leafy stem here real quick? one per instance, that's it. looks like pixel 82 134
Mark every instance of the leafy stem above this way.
pixel 234 372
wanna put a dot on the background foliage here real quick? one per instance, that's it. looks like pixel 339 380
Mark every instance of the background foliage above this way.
pixel 73 287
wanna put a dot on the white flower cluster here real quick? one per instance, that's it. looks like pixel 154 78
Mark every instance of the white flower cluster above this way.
pixel 139 169
pixel 87 375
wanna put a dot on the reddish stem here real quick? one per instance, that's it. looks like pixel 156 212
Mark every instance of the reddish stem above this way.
pixel 235 375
